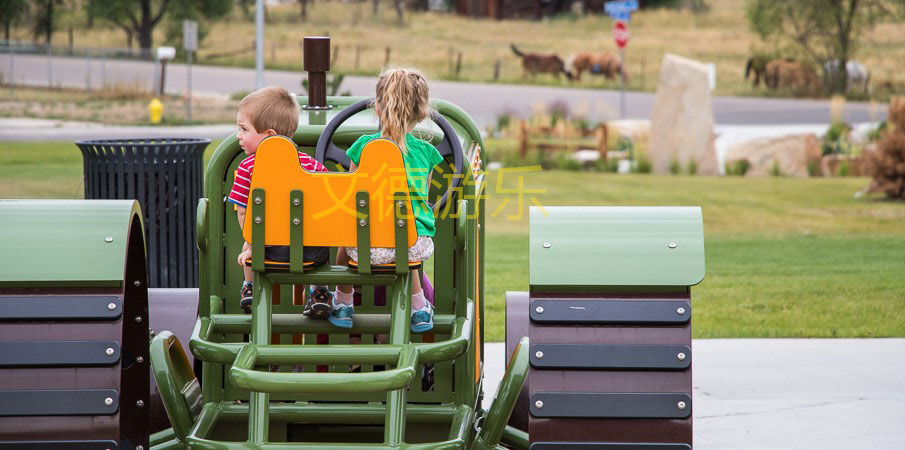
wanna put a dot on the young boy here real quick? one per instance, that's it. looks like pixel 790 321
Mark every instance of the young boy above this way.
pixel 267 112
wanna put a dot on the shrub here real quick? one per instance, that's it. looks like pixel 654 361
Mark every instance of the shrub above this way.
pixel 642 165
pixel 775 169
pixel 877 133
pixel 692 167
pixel 886 165
pixel 837 139
pixel 844 169
pixel 738 167
pixel 674 167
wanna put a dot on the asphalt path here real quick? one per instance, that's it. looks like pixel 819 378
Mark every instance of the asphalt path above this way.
pixel 485 102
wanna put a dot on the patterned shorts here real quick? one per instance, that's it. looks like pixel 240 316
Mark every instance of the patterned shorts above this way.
pixel 423 249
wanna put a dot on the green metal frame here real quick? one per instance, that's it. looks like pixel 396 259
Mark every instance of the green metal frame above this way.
pixel 236 370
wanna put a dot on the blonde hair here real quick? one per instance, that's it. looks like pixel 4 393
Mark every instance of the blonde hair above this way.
pixel 401 96
pixel 271 107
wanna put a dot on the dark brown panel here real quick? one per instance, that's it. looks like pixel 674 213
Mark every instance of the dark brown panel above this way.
pixel 613 430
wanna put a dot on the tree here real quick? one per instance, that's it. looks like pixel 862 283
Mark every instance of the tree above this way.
pixel 823 30
pixel 142 16
pixel 44 19
pixel 11 11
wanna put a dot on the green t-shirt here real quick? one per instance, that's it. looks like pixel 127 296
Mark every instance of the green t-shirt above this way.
pixel 420 158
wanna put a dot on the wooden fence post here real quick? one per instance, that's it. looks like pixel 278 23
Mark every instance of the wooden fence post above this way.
pixel 523 139
pixel 335 56
pixel 458 64
pixel 496 70
pixel 357 55
pixel 602 133
pixel 386 59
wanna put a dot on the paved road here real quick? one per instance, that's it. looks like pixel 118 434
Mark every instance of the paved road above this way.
pixel 483 101
pixel 788 393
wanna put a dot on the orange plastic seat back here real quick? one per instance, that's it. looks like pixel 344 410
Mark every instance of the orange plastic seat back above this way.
pixel 329 208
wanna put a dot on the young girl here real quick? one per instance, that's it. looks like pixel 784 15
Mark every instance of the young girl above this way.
pixel 400 104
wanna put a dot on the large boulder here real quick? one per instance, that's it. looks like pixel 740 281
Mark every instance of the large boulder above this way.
pixel 796 155
pixel 681 122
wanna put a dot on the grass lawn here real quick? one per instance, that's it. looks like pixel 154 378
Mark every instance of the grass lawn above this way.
pixel 785 257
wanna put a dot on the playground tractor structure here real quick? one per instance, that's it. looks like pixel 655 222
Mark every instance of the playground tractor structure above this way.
pixel 607 312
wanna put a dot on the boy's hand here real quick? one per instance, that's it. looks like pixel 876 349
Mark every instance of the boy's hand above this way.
pixel 244 254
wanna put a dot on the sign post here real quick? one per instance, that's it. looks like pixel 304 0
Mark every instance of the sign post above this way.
pixel 620 35
pixel 190 44
pixel 621 11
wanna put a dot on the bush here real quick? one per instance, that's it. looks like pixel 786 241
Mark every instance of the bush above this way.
pixel 877 133
pixel 642 165
pixel 775 169
pixel 564 161
pixel 738 167
pixel 844 169
pixel 837 139
pixel 692 167
pixel 674 167
pixel 886 165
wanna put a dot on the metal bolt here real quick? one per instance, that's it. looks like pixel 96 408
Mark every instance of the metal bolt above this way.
pixel 139 447
pixel 257 200
pixel 140 403
pixel 111 306
pixel 362 203
pixel 681 356
pixel 672 245
pixel 362 222
pixel 479 226
pixel 539 355
pixel 539 310
pixel 139 359
pixel 539 404
pixel 547 245
pixel 296 221
pixel 296 202
pixel 137 319
pixel 681 405
pixel 110 351
pixel 108 239
pixel 136 283
pixel 680 311
pixel 108 401
pixel 400 204
pixel 257 220
pixel 400 223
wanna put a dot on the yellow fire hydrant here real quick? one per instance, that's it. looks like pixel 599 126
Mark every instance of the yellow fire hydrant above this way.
pixel 155 108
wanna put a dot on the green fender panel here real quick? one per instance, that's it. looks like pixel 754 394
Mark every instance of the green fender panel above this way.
pixel 575 248
pixel 64 242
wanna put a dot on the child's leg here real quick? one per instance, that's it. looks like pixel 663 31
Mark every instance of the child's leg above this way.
pixel 344 292
pixel 418 299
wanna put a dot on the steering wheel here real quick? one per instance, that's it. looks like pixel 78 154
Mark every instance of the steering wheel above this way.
pixel 450 146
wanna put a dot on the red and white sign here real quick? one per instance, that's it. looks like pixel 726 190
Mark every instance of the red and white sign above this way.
pixel 620 33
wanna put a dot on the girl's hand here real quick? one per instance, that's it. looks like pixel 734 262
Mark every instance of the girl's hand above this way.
pixel 244 254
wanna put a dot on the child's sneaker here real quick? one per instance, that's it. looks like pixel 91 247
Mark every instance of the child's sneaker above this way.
pixel 423 319
pixel 341 315
pixel 247 297
pixel 319 302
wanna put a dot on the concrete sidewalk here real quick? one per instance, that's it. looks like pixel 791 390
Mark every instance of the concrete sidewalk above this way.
pixel 787 393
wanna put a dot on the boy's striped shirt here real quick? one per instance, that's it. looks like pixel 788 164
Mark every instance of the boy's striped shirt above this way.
pixel 242 183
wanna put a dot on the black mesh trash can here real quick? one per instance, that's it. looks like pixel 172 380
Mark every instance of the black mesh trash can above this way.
pixel 165 176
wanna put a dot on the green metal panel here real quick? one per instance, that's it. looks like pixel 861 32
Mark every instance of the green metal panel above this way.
pixel 64 242
pixel 573 248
